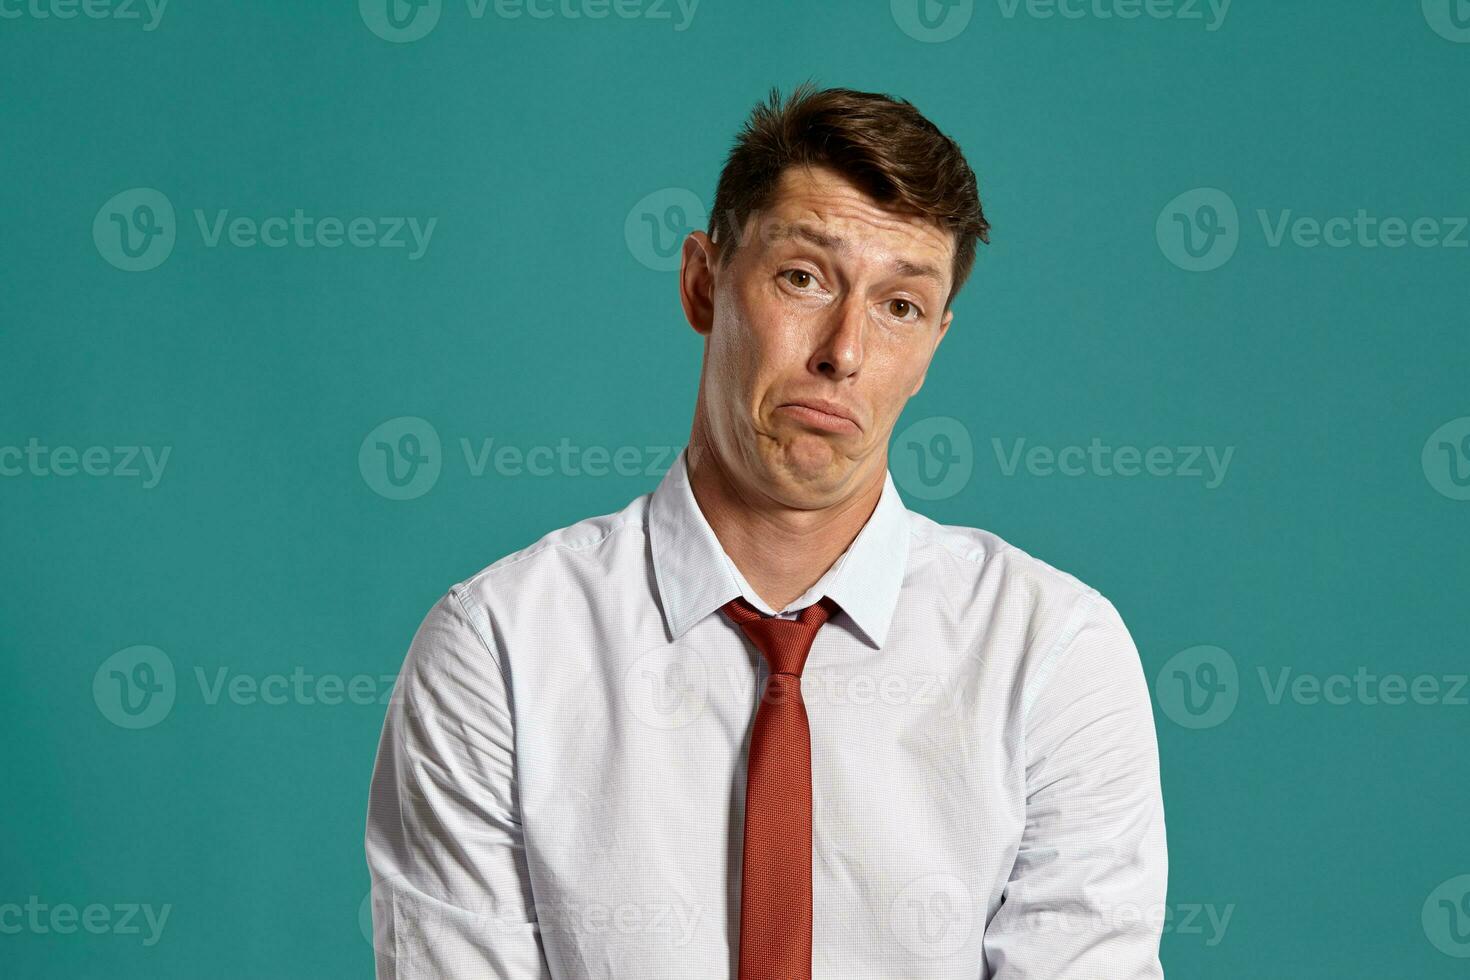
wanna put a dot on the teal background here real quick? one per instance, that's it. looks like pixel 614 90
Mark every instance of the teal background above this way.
pixel 265 547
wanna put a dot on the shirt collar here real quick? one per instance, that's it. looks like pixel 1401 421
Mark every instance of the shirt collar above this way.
pixel 695 577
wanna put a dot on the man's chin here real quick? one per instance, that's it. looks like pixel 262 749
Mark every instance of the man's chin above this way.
pixel 811 463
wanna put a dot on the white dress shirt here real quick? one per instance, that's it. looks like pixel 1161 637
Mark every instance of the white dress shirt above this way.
pixel 559 790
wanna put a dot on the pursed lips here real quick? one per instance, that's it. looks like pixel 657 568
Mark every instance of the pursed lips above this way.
pixel 822 414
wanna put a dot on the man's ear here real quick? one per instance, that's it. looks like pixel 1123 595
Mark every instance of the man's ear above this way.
pixel 943 329
pixel 697 281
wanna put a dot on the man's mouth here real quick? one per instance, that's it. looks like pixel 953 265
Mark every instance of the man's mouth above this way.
pixel 823 415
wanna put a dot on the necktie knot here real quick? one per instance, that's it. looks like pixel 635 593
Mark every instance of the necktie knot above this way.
pixel 784 643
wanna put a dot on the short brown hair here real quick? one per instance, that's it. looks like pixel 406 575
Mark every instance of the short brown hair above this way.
pixel 885 146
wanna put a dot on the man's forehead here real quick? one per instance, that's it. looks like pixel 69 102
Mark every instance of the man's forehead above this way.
pixel 820 207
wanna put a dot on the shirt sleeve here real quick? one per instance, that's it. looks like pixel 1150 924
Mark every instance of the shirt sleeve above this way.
pixel 1085 898
pixel 451 894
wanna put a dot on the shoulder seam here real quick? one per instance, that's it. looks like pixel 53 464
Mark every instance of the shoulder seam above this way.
pixel 975 557
pixel 1038 566
pixel 532 551
pixel 1058 652
pixel 479 634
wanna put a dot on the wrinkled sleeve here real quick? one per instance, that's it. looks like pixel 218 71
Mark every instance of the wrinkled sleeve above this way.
pixel 1085 898
pixel 451 895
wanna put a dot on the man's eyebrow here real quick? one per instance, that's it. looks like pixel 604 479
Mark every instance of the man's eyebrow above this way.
pixel 838 244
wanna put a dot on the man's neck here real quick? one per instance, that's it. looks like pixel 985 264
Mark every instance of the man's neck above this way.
pixel 782 551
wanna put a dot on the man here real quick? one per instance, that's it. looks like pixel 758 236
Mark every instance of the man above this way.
pixel 765 722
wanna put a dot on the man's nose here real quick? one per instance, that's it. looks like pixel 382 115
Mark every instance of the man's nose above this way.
pixel 839 351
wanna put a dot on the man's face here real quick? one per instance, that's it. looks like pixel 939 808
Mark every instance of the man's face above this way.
pixel 831 307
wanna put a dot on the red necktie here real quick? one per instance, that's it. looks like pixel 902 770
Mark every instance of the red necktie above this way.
pixel 776 877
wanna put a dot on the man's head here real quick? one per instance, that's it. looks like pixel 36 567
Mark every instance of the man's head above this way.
pixel 844 224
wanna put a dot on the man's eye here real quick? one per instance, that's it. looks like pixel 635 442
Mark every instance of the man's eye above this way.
pixel 801 283
pixel 901 308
